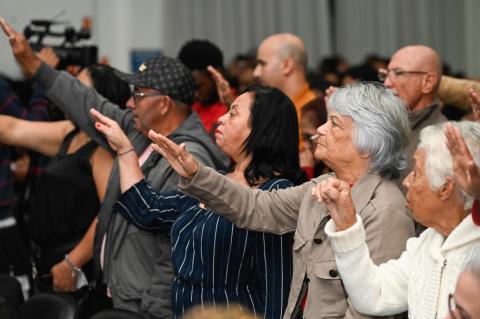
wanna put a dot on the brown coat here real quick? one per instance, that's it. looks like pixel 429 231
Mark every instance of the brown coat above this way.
pixel 377 200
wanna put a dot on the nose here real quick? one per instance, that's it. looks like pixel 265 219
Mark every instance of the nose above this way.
pixel 388 83
pixel 130 103
pixel 221 119
pixel 407 180
pixel 257 72
pixel 321 130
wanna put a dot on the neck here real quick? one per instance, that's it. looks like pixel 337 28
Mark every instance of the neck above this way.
pixel 351 173
pixel 448 220
pixel 238 173
pixel 424 102
pixel 293 84
pixel 168 125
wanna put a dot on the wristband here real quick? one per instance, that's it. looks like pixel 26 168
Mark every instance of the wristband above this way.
pixel 75 269
pixel 126 152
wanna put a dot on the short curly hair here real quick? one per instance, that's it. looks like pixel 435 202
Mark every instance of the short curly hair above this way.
pixel 198 54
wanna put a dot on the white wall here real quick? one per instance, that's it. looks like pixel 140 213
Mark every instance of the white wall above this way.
pixel 363 26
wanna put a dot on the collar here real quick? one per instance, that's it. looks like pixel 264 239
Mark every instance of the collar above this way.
pixel 418 117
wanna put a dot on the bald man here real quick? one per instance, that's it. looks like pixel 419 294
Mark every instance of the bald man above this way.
pixel 282 63
pixel 414 74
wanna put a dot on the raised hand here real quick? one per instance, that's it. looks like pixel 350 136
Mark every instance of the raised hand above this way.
pixel 48 56
pixel 179 158
pixel 336 196
pixel 116 138
pixel 223 87
pixel 467 173
pixel 474 99
pixel 21 49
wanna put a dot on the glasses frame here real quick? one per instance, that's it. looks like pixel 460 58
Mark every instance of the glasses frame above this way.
pixel 383 74
pixel 456 312
pixel 137 95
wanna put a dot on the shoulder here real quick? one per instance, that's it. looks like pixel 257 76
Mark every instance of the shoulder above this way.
pixel 388 193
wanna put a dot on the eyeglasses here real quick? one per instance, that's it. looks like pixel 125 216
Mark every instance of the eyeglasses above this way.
pixel 455 310
pixel 137 95
pixel 383 74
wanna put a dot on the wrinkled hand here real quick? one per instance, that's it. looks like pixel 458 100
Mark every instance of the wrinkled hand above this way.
pixel 328 94
pixel 21 49
pixel 223 87
pixel 48 56
pixel 179 158
pixel 467 173
pixel 336 196
pixel 116 138
pixel 474 99
pixel 62 277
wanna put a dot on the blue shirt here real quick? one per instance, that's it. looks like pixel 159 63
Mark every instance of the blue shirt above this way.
pixel 215 262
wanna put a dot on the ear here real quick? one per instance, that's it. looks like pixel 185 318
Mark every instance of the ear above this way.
pixel 165 105
pixel 447 189
pixel 287 66
pixel 429 83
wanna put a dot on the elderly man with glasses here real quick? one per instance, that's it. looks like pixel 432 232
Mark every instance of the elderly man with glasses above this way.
pixel 414 74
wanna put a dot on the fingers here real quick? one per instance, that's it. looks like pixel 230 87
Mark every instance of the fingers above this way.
pixel 217 76
pixel 102 119
pixel 330 190
pixel 48 56
pixel 7 29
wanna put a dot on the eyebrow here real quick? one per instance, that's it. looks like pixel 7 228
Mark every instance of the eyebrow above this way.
pixel 337 119
pixel 233 106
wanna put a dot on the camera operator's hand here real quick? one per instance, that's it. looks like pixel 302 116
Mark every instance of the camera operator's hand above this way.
pixel 21 49
pixel 48 56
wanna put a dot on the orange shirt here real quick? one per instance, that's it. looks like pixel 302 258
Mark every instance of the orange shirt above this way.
pixel 304 96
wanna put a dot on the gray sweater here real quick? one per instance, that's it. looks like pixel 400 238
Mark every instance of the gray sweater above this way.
pixel 137 265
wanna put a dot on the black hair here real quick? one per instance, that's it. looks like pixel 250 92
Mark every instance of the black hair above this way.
pixel 273 140
pixel 109 85
pixel 198 54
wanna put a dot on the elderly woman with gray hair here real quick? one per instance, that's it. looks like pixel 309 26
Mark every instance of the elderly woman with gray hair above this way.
pixel 427 270
pixel 361 142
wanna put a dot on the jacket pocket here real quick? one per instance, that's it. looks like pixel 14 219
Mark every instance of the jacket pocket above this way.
pixel 332 297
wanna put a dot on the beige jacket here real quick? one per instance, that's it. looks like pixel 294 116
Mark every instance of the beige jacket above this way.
pixel 377 200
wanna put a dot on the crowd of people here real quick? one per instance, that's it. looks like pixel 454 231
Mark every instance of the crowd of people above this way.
pixel 258 190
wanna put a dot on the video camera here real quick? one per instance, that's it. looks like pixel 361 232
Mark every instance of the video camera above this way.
pixel 67 52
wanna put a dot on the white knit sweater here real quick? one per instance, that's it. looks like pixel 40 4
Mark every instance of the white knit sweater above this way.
pixel 419 280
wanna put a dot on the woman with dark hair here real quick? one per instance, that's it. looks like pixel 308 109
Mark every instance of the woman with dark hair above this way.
pixel 64 200
pixel 216 262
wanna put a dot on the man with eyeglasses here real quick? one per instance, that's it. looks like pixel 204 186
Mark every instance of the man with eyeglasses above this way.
pixel 136 264
pixel 414 74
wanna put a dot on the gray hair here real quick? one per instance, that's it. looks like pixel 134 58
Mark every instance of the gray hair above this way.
pixel 382 128
pixel 438 160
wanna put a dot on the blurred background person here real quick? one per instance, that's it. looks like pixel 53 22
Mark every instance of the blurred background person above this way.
pixel 197 55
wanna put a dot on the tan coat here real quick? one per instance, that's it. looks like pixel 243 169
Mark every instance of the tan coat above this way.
pixel 378 201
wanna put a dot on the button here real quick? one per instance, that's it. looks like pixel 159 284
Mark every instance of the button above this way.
pixel 333 273
pixel 317 241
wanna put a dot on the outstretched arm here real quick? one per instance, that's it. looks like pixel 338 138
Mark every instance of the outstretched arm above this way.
pixel 43 137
